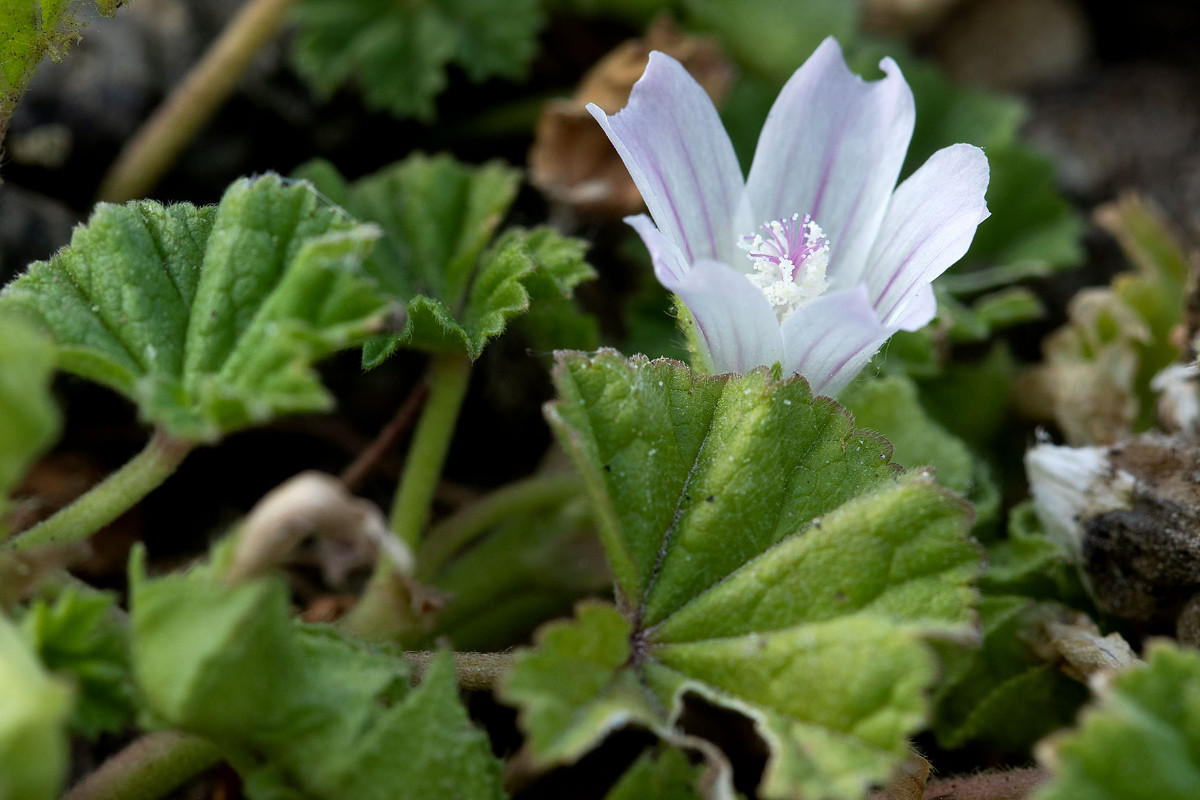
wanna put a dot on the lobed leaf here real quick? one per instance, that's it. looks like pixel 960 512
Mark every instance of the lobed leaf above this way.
pixel 1139 739
pixel 399 52
pixel 297 709
pixel 438 219
pixel 80 636
pixel 767 558
pixel 208 318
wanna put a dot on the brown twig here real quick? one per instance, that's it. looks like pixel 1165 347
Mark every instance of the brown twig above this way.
pixel 356 473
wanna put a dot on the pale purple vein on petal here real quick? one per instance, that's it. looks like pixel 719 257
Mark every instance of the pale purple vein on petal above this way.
pixel 832 146
pixel 928 226
pixel 674 145
pixel 670 264
pixel 831 338
pixel 735 320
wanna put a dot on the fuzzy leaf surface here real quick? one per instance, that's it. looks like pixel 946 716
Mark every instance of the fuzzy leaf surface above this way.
pixel 297 709
pixel 1139 739
pixel 437 254
pixel 28 416
pixel 208 318
pixel 399 52
pixel 759 543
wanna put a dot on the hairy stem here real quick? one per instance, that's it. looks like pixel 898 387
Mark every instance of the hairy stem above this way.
pixel 457 531
pixel 385 609
pixel 152 151
pixel 473 671
pixel 449 376
pixel 148 768
pixel 110 498
pixel 1012 784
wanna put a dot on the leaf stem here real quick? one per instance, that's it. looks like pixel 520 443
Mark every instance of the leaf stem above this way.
pixel 473 671
pixel 152 151
pixel 378 615
pixel 1012 784
pixel 148 768
pixel 458 530
pixel 449 376
pixel 110 498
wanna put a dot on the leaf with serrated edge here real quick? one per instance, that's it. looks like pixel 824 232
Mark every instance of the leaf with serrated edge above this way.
pixel 208 318
pixel 398 52
pixel 1139 740
pixel 438 217
pixel 600 697
pixel 299 708
pixel 767 557
pixel 80 635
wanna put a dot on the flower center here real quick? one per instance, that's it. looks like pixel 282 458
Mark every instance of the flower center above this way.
pixel 789 257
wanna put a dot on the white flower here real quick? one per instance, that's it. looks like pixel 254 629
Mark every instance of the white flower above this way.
pixel 818 257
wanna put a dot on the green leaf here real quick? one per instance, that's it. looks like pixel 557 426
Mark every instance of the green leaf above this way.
pixel 1139 739
pixel 551 559
pixel 758 542
pixel 31 30
pixel 399 52
pixel 33 722
pixel 663 774
pixel 80 636
pixel 297 709
pixel 890 405
pixel 438 218
pixel 565 719
pixel 1004 694
pixel 28 415
pixel 208 318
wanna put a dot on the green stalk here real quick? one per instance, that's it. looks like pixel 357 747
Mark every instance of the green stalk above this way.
pixel 473 671
pixel 449 376
pixel 148 768
pixel 384 611
pixel 458 530
pixel 110 498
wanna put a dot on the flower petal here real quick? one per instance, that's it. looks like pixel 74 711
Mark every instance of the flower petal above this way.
pixel 928 226
pixel 832 147
pixel 670 264
pixel 735 320
pixel 677 151
pixel 831 339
